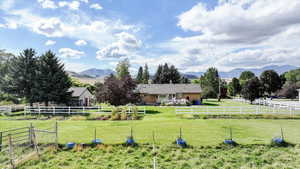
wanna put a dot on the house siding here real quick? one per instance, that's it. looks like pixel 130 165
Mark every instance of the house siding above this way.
pixel 149 99
pixel 192 96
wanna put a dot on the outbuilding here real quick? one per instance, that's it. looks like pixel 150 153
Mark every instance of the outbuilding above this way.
pixel 81 96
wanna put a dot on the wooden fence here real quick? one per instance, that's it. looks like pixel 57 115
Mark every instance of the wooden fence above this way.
pixel 255 109
pixel 76 110
pixel 16 145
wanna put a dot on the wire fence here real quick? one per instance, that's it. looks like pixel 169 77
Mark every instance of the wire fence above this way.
pixel 17 145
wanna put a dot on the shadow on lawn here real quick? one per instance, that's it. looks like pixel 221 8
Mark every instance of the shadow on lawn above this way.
pixel 210 104
pixel 152 112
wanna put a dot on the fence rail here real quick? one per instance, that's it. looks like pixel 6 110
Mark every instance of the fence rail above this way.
pixel 236 110
pixel 16 144
pixel 77 110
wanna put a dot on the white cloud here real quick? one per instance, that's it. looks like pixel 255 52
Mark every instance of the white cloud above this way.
pixel 125 45
pixel 70 53
pixel 50 42
pixel 7 4
pixel 76 67
pixel 73 5
pixel 81 43
pixel 85 1
pixel 47 4
pixel 248 33
pixel 96 6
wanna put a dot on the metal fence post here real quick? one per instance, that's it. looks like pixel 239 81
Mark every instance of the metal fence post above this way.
pixel 35 144
pixel 56 134
pixel 11 152
pixel 1 141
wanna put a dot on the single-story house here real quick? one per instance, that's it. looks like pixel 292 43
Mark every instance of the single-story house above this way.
pixel 158 93
pixel 81 96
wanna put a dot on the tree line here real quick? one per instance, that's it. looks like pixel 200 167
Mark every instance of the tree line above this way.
pixel 35 78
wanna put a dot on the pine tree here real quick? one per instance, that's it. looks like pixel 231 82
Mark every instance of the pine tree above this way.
pixel 158 75
pixel 139 77
pixel 174 75
pixel 54 82
pixel 21 79
pixel 165 75
pixel 146 75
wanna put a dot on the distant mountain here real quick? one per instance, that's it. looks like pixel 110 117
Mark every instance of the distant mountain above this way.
pixel 97 72
pixel 258 71
pixel 77 75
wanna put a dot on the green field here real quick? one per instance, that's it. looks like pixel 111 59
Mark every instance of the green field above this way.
pixel 165 124
pixel 204 135
pixel 171 157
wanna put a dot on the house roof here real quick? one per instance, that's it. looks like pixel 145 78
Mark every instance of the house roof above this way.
pixel 77 91
pixel 168 88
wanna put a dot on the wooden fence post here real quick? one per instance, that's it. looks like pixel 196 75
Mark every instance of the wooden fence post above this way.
pixel 35 142
pixel 11 152
pixel 30 134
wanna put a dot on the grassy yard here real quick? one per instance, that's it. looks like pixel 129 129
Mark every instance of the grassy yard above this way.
pixel 250 156
pixel 166 125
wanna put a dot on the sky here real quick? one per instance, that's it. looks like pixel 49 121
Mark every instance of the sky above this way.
pixel 193 35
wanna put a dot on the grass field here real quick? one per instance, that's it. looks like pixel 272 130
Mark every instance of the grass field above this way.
pixel 166 125
pixel 250 156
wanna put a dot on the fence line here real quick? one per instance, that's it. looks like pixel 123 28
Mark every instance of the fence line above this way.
pixel 235 110
pixel 16 144
pixel 77 110
pixel 272 103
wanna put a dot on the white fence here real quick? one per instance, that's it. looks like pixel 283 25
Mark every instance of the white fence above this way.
pixel 5 109
pixel 272 103
pixel 76 110
pixel 255 109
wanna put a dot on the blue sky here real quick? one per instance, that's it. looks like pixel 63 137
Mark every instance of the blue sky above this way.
pixel 191 34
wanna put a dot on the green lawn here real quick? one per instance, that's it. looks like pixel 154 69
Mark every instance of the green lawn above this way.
pixel 166 125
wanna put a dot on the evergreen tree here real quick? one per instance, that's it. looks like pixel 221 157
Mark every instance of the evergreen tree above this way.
pixel 270 81
pixel 139 77
pixel 146 75
pixel 247 75
pixel 21 80
pixel 53 81
pixel 158 75
pixel 184 80
pixel 122 69
pixel 165 75
pixel 174 75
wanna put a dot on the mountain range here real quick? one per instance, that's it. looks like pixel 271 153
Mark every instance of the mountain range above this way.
pixel 97 75
pixel 257 71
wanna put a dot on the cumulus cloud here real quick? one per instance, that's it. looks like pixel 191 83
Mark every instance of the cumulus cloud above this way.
pixel 81 43
pixel 70 53
pixel 96 6
pixel 50 42
pixel 248 33
pixel 126 44
pixel 72 5
pixel 47 4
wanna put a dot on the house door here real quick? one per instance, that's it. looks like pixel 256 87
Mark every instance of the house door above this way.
pixel 86 101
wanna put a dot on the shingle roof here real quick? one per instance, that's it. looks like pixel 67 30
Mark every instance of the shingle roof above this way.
pixel 168 88
pixel 77 91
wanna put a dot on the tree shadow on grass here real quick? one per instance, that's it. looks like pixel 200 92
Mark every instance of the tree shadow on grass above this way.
pixel 152 112
pixel 210 104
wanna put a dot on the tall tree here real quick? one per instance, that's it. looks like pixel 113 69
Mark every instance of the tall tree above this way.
pixel 247 75
pixel 270 81
pixel 234 87
pixel 146 75
pixel 165 74
pixel 122 69
pixel 210 79
pixel 53 81
pixel 21 79
pixel 158 75
pixel 252 89
pixel 174 75
pixel 139 77
pixel 117 92
pixel 4 66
